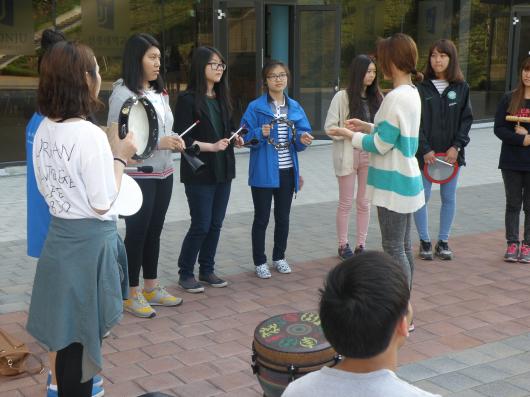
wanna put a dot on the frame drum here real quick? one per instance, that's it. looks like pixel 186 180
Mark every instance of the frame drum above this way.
pixel 287 347
pixel 139 115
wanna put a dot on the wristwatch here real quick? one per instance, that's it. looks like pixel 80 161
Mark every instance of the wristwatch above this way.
pixel 457 148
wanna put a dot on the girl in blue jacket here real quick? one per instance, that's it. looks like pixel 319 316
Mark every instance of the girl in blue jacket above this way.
pixel 273 165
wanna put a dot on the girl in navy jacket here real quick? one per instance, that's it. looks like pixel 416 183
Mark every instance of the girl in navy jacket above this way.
pixel 273 166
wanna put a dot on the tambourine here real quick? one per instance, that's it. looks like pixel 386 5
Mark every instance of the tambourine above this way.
pixel 286 144
pixel 440 171
pixel 139 115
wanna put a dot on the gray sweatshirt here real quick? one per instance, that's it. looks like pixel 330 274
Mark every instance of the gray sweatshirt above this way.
pixel 162 160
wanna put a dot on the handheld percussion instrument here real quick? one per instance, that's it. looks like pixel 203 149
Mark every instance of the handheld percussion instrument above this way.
pixel 130 198
pixel 139 115
pixel 287 347
pixel 440 171
pixel 190 154
pixel 289 142
pixel 518 119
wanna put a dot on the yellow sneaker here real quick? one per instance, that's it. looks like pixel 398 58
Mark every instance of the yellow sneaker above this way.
pixel 138 306
pixel 158 296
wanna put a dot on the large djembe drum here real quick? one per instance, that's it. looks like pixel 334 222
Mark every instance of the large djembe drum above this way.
pixel 287 347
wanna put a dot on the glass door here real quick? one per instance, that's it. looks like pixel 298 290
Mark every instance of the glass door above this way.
pixel 519 44
pixel 316 60
pixel 237 39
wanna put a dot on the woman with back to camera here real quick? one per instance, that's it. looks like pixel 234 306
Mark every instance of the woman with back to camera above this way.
pixel 141 77
pixel 446 119
pixel 394 179
pixel 361 99
pixel 514 163
pixel 273 166
pixel 207 100
pixel 77 296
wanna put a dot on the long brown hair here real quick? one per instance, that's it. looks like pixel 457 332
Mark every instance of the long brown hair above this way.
pixel 517 101
pixel 453 73
pixel 64 91
pixel 400 50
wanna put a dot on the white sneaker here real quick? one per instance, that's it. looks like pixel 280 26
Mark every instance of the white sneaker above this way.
pixel 282 266
pixel 262 271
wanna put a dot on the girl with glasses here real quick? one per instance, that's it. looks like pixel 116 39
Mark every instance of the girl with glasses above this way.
pixel 361 99
pixel 273 166
pixel 208 101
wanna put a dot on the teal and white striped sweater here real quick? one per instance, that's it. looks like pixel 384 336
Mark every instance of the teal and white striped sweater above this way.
pixel 394 178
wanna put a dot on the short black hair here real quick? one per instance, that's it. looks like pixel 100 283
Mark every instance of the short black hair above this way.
pixel 363 299
pixel 132 69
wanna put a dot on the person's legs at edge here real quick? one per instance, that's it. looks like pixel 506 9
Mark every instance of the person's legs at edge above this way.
pixel 524 254
pixel 447 215
pixel 513 188
pixel 68 366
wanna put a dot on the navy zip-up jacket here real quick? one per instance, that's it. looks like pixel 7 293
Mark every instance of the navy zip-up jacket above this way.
pixel 445 119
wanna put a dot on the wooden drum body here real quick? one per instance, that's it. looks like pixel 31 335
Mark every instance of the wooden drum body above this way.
pixel 287 347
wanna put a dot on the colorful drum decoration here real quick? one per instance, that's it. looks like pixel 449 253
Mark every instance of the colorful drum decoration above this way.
pixel 287 347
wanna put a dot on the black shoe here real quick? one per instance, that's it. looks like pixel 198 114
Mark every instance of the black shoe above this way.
pixel 426 250
pixel 358 250
pixel 443 251
pixel 213 280
pixel 191 285
pixel 345 252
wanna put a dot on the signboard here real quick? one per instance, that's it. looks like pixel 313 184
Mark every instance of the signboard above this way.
pixel 106 25
pixel 16 27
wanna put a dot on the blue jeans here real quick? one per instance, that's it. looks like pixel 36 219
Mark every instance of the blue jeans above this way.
pixel 207 205
pixel 262 198
pixel 395 239
pixel 447 212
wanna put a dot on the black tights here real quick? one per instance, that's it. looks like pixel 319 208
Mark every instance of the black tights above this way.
pixel 68 372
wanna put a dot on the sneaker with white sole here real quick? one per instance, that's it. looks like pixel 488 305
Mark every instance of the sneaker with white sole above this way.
pixel 97 380
pixel 282 266
pixel 158 296
pixel 262 271
pixel 191 285
pixel 138 306
pixel 212 280
pixel 97 391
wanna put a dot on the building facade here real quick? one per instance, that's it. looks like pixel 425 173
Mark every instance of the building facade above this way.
pixel 316 38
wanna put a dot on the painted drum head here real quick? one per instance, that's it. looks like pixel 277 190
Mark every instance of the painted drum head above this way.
pixel 440 171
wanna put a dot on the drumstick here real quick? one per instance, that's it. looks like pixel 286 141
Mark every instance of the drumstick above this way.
pixel 188 129
pixel 147 169
pixel 237 132
pixel 443 162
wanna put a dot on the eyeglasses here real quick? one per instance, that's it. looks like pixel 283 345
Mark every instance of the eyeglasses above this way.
pixel 281 76
pixel 217 66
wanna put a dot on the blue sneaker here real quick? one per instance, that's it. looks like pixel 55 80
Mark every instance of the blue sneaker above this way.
pixel 97 380
pixel 97 391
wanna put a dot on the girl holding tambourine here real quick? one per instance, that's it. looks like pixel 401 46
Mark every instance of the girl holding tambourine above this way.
pixel 141 77
pixel 446 119
pixel 273 165
pixel 207 100
pixel 514 163
pixel 361 99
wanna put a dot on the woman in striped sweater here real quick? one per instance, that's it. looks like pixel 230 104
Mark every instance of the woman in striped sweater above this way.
pixel 394 179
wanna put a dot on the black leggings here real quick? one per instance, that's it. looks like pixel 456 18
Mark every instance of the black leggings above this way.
pixel 68 372
pixel 143 229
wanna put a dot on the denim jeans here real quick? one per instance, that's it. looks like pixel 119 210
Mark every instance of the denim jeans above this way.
pixel 262 198
pixel 143 229
pixel 207 205
pixel 447 211
pixel 395 238
pixel 517 189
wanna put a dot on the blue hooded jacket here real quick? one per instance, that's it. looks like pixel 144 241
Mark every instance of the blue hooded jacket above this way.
pixel 263 169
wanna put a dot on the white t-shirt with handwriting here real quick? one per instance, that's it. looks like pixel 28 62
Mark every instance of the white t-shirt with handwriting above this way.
pixel 74 169
pixel 337 383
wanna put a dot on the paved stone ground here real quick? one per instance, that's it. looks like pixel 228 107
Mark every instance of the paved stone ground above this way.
pixel 472 314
